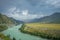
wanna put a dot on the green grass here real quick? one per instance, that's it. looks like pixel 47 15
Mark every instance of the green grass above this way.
pixel 3 37
pixel 50 31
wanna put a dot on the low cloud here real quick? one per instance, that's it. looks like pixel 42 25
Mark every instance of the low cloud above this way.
pixel 22 15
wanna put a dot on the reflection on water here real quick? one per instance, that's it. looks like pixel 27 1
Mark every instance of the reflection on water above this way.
pixel 15 33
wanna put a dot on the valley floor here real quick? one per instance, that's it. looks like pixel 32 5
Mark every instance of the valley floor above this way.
pixel 50 31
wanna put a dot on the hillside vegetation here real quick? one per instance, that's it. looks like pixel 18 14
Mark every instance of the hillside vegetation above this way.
pixel 3 27
pixel 6 20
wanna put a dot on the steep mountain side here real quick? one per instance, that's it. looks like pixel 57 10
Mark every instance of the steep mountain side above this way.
pixel 7 20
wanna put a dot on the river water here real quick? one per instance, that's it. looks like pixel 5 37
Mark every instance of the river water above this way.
pixel 14 32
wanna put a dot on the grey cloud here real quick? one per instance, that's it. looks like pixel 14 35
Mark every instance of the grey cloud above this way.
pixel 35 7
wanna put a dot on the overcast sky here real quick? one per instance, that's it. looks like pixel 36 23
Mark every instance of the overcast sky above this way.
pixel 29 9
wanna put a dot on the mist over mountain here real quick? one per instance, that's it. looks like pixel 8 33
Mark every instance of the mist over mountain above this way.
pixel 54 18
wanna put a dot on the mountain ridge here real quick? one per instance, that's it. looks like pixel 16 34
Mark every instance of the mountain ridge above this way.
pixel 54 18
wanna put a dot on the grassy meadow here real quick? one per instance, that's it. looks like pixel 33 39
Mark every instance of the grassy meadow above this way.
pixel 50 31
pixel 47 26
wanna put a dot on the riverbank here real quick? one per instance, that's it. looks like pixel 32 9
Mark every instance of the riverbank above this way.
pixel 14 32
pixel 41 32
